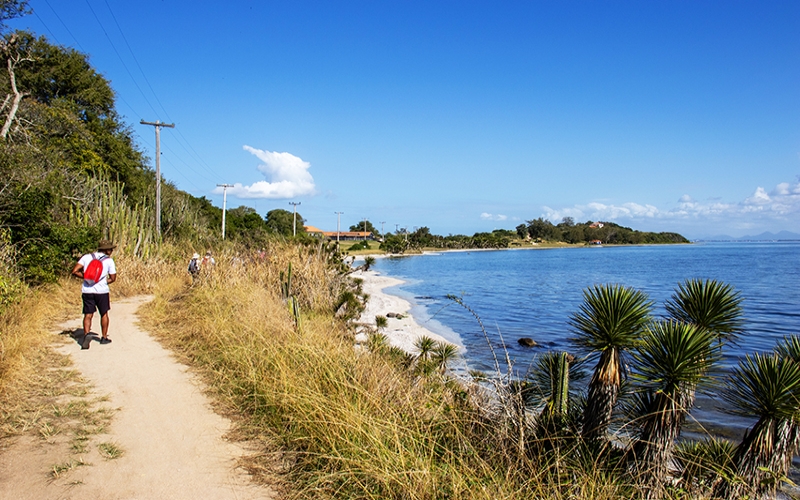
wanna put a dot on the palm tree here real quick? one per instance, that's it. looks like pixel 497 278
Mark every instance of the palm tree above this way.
pixel 767 386
pixel 671 362
pixel 708 304
pixel 609 322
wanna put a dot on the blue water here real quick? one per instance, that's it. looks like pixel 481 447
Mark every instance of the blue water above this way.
pixel 532 293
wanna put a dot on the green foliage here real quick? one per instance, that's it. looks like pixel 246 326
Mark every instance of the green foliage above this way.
pixel 11 9
pixel 708 304
pixel 281 222
pixel 367 226
pixel 394 243
pixel 360 245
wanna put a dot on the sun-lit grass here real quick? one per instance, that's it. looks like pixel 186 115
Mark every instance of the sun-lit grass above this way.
pixel 333 420
pixel 349 423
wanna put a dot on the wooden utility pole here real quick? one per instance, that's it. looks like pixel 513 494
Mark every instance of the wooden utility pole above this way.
pixel 338 219
pixel 157 124
pixel 294 220
pixel 224 204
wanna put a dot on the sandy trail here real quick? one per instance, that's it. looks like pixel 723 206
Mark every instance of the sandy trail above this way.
pixel 173 443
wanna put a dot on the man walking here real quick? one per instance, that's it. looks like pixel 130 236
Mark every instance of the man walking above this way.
pixel 95 292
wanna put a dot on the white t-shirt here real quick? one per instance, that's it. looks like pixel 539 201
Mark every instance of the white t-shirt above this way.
pixel 108 268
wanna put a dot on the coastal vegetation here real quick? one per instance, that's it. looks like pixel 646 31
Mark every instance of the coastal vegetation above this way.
pixel 331 416
pixel 534 232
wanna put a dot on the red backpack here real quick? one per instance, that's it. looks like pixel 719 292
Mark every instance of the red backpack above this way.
pixel 94 271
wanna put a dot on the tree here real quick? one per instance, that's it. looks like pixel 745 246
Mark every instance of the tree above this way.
pixel 365 226
pixel 11 9
pixel 394 243
pixel 543 229
pixel 280 221
pixel 767 386
pixel 673 360
pixel 522 231
pixel 610 322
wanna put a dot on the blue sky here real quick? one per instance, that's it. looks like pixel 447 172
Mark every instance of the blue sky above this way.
pixel 463 116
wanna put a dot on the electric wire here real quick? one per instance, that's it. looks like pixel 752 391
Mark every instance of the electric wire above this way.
pixel 166 113
pixel 114 47
pixel 62 24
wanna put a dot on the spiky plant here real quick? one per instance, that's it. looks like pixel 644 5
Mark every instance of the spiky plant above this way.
pixel 766 386
pixel 444 353
pixel 672 361
pixel 708 304
pixel 609 322
pixel 703 464
pixel 425 346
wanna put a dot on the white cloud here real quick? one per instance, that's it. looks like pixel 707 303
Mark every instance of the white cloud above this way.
pixel 498 217
pixel 287 177
pixel 781 206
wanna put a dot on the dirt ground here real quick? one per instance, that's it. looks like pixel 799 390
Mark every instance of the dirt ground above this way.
pixel 160 439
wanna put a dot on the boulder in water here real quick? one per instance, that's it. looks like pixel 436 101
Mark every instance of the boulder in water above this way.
pixel 527 342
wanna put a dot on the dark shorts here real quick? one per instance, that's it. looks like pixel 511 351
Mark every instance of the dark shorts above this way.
pixel 96 301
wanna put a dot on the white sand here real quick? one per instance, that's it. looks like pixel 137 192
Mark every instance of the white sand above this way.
pixel 403 332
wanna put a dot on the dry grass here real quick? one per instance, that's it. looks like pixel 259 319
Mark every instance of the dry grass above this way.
pixel 332 421
pixel 347 423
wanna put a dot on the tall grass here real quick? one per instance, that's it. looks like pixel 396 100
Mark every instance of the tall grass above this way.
pixel 349 422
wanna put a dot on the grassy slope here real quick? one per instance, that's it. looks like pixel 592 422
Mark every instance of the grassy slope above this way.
pixel 345 422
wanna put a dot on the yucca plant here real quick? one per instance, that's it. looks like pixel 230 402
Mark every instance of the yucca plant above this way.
pixel 444 353
pixel 767 386
pixel 424 346
pixel 610 322
pixel 708 304
pixel 673 360
pixel 703 464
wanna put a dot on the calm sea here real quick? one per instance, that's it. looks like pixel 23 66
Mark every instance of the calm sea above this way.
pixel 532 293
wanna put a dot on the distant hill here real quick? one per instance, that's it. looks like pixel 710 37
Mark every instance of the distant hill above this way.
pixel 782 235
pixel 766 236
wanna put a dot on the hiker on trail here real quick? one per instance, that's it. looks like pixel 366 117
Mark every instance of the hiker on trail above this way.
pixel 194 266
pixel 208 261
pixel 97 269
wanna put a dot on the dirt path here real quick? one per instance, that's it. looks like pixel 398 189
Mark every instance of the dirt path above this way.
pixel 171 442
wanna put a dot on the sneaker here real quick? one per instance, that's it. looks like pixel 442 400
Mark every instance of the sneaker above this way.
pixel 87 342
pixel 105 340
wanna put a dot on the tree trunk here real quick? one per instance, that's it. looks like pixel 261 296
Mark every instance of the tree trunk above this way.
pixel 15 103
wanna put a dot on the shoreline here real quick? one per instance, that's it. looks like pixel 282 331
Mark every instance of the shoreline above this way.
pixel 401 332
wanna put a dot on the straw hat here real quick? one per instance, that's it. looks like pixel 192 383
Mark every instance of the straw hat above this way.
pixel 106 245
pixel 195 255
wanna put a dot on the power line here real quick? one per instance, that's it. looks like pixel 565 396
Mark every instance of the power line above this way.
pixel 120 58
pixel 62 24
pixel 144 75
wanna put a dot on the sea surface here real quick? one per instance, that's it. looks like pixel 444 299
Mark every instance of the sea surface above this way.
pixel 532 293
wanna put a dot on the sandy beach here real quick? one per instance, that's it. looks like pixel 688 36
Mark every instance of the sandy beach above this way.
pixel 403 332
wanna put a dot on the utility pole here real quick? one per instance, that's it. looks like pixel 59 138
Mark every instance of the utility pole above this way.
pixel 338 219
pixel 365 229
pixel 157 124
pixel 395 228
pixel 382 223
pixel 224 204
pixel 294 221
